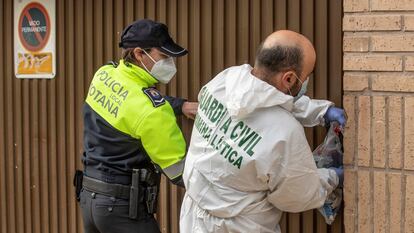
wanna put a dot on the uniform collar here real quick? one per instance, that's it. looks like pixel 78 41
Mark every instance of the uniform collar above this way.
pixel 137 74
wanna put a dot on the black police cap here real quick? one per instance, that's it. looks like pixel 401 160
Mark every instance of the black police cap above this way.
pixel 146 33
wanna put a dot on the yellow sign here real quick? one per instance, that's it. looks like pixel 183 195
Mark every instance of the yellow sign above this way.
pixel 34 63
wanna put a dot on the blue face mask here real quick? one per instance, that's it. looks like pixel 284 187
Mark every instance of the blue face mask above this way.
pixel 302 90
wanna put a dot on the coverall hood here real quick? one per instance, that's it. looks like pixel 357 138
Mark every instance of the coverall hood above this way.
pixel 245 93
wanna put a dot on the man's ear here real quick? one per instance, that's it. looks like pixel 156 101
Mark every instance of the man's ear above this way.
pixel 138 54
pixel 288 79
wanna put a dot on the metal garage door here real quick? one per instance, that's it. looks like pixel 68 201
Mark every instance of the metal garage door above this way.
pixel 40 120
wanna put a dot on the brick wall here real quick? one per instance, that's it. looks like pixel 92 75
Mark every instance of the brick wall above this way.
pixel 378 79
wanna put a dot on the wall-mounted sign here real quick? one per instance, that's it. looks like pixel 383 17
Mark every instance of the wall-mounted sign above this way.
pixel 34 39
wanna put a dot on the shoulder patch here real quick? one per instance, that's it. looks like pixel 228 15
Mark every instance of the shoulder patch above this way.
pixel 155 96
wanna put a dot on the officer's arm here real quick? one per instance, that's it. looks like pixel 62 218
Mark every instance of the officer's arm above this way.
pixel 176 103
pixel 163 141
pixel 310 112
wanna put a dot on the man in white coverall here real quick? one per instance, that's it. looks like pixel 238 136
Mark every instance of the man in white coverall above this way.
pixel 249 159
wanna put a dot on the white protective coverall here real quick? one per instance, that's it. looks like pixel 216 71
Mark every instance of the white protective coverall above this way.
pixel 249 159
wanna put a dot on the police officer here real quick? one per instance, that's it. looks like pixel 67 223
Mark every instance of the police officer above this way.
pixel 131 134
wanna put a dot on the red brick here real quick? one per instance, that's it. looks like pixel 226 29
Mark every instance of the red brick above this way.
pixel 409 133
pixel 409 204
pixel 364 125
pixel 364 205
pixel 393 82
pixel 349 135
pixel 378 62
pixel 394 132
pixel 350 200
pixel 378 137
pixel 380 202
pixel 392 5
pixel 355 82
pixel 371 22
pixel 395 202
pixel 356 44
pixel 389 43
pixel 355 5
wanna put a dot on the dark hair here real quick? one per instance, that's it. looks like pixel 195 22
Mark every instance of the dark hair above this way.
pixel 280 58
pixel 128 55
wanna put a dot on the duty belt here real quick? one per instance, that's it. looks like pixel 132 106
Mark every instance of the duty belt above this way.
pixel 143 189
pixel 114 190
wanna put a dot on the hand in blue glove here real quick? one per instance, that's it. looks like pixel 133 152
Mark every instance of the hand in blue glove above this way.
pixel 340 173
pixel 335 114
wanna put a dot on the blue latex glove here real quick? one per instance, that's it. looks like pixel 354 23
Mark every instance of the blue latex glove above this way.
pixel 335 114
pixel 340 173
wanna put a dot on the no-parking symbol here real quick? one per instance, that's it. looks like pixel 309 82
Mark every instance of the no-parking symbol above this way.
pixel 34 26
pixel 35 38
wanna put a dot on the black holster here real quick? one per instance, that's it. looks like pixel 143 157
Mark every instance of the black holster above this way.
pixel 151 179
pixel 77 182
pixel 144 189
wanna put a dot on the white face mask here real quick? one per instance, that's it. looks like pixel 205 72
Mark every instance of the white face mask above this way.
pixel 163 70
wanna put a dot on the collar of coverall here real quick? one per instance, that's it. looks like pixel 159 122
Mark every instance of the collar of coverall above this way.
pixel 137 73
